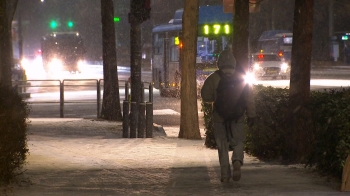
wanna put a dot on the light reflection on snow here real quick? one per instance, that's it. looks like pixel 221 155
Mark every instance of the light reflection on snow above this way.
pixel 314 83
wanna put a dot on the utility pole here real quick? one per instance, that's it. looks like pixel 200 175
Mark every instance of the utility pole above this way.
pixel 331 18
pixel 20 36
pixel 334 45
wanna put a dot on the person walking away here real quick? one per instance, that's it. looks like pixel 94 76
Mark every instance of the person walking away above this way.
pixel 229 131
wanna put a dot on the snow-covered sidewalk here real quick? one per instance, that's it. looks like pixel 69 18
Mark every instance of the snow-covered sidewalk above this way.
pixel 88 157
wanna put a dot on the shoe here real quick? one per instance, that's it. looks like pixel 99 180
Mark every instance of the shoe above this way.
pixel 225 179
pixel 236 176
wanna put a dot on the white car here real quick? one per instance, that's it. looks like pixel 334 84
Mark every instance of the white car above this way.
pixel 269 65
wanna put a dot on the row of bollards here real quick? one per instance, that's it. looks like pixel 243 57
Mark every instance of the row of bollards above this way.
pixel 138 118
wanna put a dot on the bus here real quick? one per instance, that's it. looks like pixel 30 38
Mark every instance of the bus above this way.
pixel 62 51
pixel 278 42
pixel 214 32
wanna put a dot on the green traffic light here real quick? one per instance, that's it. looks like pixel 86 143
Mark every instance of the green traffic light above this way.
pixel 53 24
pixel 70 24
pixel 116 19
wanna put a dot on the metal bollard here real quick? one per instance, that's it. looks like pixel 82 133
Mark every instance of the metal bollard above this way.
pixel 20 86
pixel 142 92
pixel 62 99
pixel 133 120
pixel 160 82
pixel 126 119
pixel 142 119
pixel 98 85
pixel 126 90
pixel 149 120
pixel 150 93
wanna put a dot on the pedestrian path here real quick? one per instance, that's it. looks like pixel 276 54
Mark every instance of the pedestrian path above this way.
pixel 89 157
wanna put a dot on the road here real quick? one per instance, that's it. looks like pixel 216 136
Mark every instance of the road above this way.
pixel 80 101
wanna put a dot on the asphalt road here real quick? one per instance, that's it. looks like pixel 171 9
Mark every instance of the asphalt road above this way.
pixel 80 101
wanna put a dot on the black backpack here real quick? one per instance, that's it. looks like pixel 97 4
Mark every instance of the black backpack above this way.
pixel 230 101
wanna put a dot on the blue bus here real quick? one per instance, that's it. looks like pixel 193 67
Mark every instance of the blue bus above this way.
pixel 214 33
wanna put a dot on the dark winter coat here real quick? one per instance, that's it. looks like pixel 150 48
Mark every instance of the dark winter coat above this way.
pixel 208 93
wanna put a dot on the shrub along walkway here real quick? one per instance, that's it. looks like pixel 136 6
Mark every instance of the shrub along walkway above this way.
pixel 87 157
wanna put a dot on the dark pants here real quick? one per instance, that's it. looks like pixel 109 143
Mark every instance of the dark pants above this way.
pixel 237 141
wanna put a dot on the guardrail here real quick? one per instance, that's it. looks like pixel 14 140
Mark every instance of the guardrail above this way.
pixel 137 117
pixel 24 84
pixel 62 84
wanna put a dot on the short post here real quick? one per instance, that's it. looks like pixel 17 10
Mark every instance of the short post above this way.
pixel 24 78
pixel 62 99
pixel 149 120
pixel 133 120
pixel 142 119
pixel 149 113
pixel 20 85
pixel 160 82
pixel 98 85
pixel 126 90
pixel 142 92
pixel 126 119
pixel 150 93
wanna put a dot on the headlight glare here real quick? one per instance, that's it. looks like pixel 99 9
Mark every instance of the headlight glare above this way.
pixel 284 66
pixel 81 63
pixel 55 65
pixel 256 66
pixel 249 78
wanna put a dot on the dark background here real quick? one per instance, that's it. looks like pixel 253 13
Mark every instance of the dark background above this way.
pixel 274 14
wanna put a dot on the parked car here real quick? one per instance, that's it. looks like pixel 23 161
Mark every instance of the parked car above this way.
pixel 269 65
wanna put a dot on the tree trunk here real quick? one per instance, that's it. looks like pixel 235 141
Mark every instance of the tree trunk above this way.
pixel 111 109
pixel 6 58
pixel 135 51
pixel 345 185
pixel 189 125
pixel 300 78
pixel 241 33
pixel 11 7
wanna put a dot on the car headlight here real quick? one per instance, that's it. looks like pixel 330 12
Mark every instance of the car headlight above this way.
pixel 256 66
pixel 81 64
pixel 249 78
pixel 25 63
pixel 284 66
pixel 55 65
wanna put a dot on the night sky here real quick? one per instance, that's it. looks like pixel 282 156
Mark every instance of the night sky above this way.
pixel 36 16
